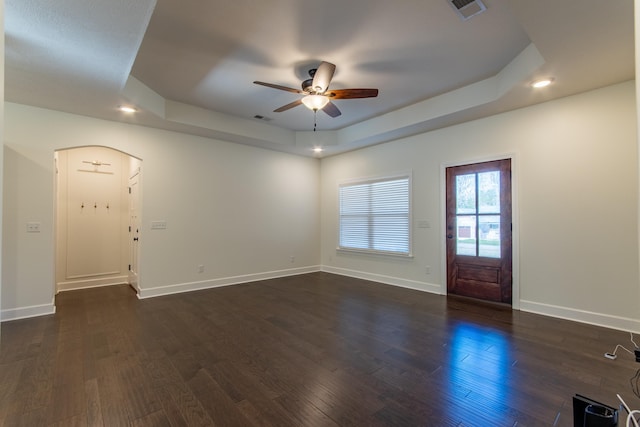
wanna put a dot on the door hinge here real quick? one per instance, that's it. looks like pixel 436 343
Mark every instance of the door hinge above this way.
pixel 129 229
pixel 129 190
pixel 129 267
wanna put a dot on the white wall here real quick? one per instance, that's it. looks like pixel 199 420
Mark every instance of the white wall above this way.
pixel 242 212
pixel 239 211
pixel 575 180
pixel 637 62
pixel 1 128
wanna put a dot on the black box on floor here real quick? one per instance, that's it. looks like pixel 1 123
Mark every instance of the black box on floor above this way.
pixel 589 413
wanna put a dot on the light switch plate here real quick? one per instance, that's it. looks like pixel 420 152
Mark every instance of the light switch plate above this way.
pixel 33 227
pixel 158 225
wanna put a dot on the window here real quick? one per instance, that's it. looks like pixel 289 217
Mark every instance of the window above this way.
pixel 375 216
pixel 478 214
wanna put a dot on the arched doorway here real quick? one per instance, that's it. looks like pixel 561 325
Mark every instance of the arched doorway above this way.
pixel 94 230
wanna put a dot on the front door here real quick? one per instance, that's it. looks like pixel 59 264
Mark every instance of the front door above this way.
pixel 479 254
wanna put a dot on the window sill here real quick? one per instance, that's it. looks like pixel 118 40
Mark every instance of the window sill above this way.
pixel 375 253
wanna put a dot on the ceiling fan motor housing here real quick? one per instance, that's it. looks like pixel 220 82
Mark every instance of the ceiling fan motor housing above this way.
pixel 307 85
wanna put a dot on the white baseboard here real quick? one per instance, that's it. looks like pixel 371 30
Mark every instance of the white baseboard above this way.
pixel 91 283
pixel 582 316
pixel 225 281
pixel 387 280
pixel 26 312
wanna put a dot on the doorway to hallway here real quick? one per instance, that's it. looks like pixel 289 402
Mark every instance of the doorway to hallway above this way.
pixel 93 217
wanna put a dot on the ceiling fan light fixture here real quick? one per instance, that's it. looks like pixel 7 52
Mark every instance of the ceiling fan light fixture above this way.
pixel 315 102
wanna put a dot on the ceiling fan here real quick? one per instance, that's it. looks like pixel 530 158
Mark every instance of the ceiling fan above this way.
pixel 317 95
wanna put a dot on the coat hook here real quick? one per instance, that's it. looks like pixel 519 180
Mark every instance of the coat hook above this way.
pixel 107 205
pixel 82 205
pixel 95 205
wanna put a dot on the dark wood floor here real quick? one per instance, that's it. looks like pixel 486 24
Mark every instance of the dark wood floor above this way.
pixel 311 350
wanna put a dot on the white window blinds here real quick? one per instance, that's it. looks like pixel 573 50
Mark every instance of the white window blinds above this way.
pixel 375 216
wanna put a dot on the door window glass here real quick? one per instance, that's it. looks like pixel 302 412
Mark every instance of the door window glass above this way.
pixel 489 236
pixel 478 214
pixel 489 194
pixel 466 194
pixel 466 235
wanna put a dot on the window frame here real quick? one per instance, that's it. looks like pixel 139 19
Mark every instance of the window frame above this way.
pixel 408 175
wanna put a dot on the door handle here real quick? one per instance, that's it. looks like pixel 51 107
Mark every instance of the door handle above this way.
pixel 135 239
pixel 449 236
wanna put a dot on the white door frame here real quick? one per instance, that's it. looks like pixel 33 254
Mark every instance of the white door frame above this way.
pixel 134 248
pixel 55 207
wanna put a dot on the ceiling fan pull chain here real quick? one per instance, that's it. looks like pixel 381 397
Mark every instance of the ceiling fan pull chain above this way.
pixel 315 115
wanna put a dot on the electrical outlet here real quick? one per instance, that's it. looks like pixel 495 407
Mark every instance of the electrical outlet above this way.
pixel 33 227
pixel 292 258
pixel 201 268
pixel 427 269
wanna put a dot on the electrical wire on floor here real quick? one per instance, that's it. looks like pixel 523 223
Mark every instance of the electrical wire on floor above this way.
pixel 614 356
pixel 635 383
pixel 631 415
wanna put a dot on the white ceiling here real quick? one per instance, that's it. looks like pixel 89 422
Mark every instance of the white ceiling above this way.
pixel 189 65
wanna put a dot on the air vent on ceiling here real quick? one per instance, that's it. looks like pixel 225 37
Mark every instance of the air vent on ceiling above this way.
pixel 467 8
pixel 263 118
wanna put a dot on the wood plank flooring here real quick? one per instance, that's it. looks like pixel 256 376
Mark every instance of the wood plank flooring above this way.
pixel 310 350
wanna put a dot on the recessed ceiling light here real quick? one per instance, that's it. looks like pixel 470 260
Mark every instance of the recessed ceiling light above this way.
pixel 317 149
pixel 542 83
pixel 127 109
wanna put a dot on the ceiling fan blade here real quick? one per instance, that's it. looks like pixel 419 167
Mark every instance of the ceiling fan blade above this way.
pixel 288 106
pixel 352 93
pixel 274 86
pixel 323 76
pixel 331 109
